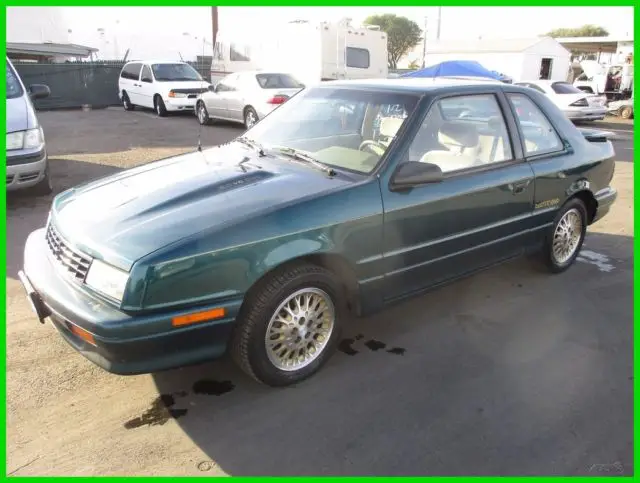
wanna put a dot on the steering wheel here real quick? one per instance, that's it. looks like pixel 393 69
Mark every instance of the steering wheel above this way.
pixel 368 144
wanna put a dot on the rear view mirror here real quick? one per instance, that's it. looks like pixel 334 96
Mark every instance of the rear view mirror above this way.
pixel 39 91
pixel 413 173
pixel 212 88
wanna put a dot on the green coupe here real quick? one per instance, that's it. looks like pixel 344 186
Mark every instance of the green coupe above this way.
pixel 350 196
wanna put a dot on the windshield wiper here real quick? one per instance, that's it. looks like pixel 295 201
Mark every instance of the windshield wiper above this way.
pixel 252 144
pixel 301 156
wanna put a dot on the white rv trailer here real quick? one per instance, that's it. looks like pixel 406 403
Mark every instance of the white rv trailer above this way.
pixel 311 51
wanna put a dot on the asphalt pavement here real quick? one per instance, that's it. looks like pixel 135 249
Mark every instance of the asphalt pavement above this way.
pixel 509 372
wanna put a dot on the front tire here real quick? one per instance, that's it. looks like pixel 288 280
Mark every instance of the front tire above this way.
pixel 290 326
pixel 566 236
pixel 44 187
pixel 202 114
pixel 159 106
pixel 250 117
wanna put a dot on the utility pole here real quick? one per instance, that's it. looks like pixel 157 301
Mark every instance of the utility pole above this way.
pixel 424 43
pixel 439 22
pixel 214 26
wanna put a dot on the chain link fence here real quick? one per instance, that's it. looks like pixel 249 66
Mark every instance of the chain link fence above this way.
pixel 78 84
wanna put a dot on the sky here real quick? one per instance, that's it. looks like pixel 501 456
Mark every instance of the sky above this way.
pixel 183 28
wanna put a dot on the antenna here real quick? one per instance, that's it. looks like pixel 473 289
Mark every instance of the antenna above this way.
pixel 201 87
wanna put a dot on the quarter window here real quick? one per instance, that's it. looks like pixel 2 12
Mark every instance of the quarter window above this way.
pixel 539 135
pixel 462 132
pixel 358 58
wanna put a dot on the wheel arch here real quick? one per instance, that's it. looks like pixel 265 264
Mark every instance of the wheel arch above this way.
pixel 590 202
pixel 335 263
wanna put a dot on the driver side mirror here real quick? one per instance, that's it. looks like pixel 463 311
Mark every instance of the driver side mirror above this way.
pixel 213 88
pixel 414 173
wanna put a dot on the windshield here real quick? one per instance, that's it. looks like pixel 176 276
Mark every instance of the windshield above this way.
pixel 565 88
pixel 175 72
pixel 14 89
pixel 278 81
pixel 343 128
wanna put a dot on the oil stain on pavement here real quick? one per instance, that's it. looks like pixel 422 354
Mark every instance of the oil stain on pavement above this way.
pixel 162 408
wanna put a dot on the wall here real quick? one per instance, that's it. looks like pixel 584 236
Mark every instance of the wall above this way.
pixel 531 66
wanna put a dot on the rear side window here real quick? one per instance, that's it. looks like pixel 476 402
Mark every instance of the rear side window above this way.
pixel 565 88
pixel 131 71
pixel 358 58
pixel 539 135
pixel 146 74
pixel 278 81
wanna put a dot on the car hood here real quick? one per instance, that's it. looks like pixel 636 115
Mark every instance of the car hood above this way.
pixel 19 115
pixel 189 85
pixel 126 216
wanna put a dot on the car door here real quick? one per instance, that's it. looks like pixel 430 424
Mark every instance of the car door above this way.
pixel 131 76
pixel 216 102
pixel 147 87
pixel 235 98
pixel 477 215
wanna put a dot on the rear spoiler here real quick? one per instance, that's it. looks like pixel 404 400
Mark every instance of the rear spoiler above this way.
pixel 596 136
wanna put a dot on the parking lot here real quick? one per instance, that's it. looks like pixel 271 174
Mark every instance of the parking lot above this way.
pixel 510 372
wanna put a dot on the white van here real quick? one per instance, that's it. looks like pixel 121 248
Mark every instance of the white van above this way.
pixel 27 162
pixel 163 86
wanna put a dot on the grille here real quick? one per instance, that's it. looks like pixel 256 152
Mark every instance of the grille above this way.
pixel 75 264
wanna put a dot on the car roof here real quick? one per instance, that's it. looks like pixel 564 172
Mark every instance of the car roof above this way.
pixel 418 85
pixel 543 82
pixel 155 61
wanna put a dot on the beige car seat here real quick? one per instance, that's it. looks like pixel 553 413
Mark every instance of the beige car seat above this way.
pixel 462 141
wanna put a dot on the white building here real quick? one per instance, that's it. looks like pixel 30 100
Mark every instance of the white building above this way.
pixel 520 59
pixel 606 50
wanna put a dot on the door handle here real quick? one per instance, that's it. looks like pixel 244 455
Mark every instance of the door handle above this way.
pixel 137 85
pixel 517 188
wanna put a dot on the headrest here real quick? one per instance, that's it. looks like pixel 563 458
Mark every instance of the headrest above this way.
pixel 464 134
pixel 495 123
pixel 389 126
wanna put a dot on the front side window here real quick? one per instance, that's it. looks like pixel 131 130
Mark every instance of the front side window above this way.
pixel 146 74
pixel 14 89
pixel 343 128
pixel 175 73
pixel 462 132
pixel 358 58
pixel 539 135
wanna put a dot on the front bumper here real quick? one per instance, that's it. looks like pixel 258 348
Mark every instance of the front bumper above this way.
pixel 25 168
pixel 123 343
pixel 180 103
pixel 586 114
pixel 605 198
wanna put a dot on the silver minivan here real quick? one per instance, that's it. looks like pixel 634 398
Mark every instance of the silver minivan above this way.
pixel 27 163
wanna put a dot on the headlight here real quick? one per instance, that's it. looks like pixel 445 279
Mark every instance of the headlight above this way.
pixel 30 139
pixel 107 280
pixel 177 94
pixel 15 140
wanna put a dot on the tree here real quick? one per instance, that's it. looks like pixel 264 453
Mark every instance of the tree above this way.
pixel 402 35
pixel 584 31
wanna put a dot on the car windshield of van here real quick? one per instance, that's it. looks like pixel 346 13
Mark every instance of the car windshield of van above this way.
pixel 348 129
pixel 278 81
pixel 14 89
pixel 175 72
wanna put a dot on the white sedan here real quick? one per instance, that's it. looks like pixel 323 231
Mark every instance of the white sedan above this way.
pixel 246 97
pixel 576 104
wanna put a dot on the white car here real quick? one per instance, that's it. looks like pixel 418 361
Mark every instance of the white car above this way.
pixel 576 104
pixel 162 86
pixel 246 97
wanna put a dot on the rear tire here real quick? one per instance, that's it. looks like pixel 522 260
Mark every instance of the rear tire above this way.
pixel 126 102
pixel 566 236
pixel 159 106
pixel 289 326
